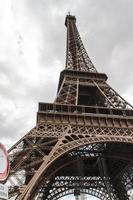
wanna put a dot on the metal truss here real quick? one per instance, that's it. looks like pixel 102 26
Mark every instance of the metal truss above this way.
pixel 69 92
pixel 82 143
pixel 77 57
pixel 46 143
pixel 88 185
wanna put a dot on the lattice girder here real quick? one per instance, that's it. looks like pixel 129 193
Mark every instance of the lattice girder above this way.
pixel 88 122
pixel 40 151
pixel 76 56
pixel 69 91
pixel 70 183
pixel 92 187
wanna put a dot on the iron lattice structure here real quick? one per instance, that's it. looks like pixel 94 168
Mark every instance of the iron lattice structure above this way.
pixel 82 143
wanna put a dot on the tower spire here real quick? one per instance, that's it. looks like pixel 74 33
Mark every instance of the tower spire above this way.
pixel 76 55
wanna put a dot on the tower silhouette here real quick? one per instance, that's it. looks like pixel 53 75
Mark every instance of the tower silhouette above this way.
pixel 82 143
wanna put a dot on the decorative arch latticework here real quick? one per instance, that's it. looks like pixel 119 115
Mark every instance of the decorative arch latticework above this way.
pixel 66 185
pixel 66 145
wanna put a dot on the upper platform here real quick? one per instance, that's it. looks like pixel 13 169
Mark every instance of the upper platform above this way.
pixel 81 74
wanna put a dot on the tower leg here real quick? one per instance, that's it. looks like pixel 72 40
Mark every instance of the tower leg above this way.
pixel 123 184
pixel 122 194
pixel 104 175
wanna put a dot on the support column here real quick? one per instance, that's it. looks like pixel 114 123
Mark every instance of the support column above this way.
pixel 80 173
pixel 104 174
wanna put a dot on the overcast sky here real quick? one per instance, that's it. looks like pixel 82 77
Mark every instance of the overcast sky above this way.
pixel 32 53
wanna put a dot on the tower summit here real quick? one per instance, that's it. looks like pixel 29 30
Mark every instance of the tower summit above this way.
pixel 76 57
pixel 82 143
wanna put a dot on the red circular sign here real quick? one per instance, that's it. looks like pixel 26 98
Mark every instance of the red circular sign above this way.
pixel 4 163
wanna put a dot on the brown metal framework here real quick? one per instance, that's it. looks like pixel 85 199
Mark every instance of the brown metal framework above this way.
pixel 82 143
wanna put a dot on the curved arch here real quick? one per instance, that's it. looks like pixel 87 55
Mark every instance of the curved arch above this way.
pixel 57 168
pixel 74 159
pixel 62 148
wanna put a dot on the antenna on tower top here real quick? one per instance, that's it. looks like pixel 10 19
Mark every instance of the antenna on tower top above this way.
pixel 68 12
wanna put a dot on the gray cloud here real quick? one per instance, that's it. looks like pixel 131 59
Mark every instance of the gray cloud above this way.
pixel 35 53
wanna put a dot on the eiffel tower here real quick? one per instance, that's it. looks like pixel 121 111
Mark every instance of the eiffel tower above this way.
pixel 82 143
